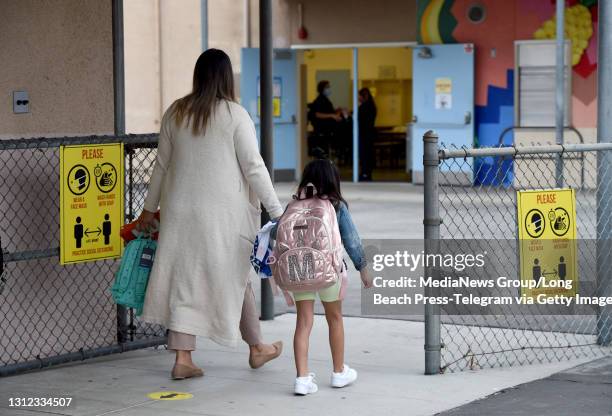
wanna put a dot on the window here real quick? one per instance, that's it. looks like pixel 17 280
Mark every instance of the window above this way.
pixel 534 83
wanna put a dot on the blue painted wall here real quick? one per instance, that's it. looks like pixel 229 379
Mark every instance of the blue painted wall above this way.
pixel 285 129
pixel 491 121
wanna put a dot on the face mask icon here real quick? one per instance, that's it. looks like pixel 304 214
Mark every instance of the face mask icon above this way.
pixel 537 222
pixel 80 177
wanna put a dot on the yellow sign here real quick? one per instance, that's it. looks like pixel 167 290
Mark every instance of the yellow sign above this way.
pixel 169 395
pixel 91 202
pixel 547 241
pixel 276 106
pixel 277 93
pixel 444 86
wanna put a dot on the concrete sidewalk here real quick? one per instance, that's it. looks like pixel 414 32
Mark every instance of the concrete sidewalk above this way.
pixel 387 353
pixel 585 389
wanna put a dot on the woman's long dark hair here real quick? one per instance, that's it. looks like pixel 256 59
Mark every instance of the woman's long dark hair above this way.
pixel 325 177
pixel 366 94
pixel 213 79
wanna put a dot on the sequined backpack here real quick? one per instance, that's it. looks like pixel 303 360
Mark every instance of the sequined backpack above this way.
pixel 307 255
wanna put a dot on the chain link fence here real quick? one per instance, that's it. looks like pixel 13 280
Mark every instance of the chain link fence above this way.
pixel 50 313
pixel 471 195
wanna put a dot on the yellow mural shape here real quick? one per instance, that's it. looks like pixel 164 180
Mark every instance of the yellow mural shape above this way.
pixel 578 28
pixel 430 31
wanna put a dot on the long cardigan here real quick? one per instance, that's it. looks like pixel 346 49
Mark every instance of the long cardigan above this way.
pixel 208 188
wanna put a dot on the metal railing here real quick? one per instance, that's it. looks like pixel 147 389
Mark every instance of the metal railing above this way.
pixel 460 207
pixel 50 314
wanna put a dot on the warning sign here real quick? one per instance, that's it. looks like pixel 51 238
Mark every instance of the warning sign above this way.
pixel 444 96
pixel 547 241
pixel 444 86
pixel 169 395
pixel 91 202
pixel 277 94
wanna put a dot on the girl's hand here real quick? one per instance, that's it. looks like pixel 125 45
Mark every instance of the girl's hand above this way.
pixel 365 278
pixel 146 221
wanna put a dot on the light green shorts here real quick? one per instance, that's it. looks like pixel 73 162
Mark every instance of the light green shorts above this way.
pixel 329 294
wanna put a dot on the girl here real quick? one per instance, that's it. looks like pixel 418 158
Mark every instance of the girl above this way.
pixel 325 177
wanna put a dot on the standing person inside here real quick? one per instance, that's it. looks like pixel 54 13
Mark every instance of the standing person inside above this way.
pixel 208 181
pixel 328 122
pixel 367 133
pixel 323 116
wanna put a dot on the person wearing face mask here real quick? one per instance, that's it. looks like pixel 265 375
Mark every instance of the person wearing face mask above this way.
pixel 326 120
pixel 323 115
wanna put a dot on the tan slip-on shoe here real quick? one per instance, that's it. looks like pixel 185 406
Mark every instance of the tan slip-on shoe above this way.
pixel 257 360
pixel 180 372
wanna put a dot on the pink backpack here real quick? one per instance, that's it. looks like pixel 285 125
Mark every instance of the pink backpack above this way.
pixel 308 251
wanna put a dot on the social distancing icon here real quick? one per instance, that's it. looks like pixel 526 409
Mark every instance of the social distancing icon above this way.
pixel 547 239
pixel 91 214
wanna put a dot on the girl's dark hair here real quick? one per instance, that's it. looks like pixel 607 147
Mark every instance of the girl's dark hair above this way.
pixel 213 80
pixel 325 177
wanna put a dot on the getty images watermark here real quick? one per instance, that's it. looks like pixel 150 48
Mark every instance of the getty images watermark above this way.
pixel 481 277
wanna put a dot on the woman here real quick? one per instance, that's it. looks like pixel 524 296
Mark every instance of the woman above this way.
pixel 367 133
pixel 208 180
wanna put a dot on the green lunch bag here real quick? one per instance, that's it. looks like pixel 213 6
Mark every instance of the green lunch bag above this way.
pixel 133 275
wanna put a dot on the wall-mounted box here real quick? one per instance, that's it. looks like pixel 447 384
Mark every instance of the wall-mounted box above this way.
pixel 21 102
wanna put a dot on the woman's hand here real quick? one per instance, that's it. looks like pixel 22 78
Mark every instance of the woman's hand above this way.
pixel 146 221
pixel 365 278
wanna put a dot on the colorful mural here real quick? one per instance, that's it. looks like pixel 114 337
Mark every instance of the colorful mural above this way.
pixel 436 22
pixel 501 23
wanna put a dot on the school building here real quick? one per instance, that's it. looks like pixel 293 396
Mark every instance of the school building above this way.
pixel 479 72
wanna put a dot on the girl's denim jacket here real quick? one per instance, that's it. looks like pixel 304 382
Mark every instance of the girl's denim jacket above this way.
pixel 349 235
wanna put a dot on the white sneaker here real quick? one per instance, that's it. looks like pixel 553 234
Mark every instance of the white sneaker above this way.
pixel 346 377
pixel 305 385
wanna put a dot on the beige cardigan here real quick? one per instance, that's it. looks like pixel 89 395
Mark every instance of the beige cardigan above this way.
pixel 208 188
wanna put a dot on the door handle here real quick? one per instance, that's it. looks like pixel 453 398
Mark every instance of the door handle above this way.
pixel 415 118
pixel 468 117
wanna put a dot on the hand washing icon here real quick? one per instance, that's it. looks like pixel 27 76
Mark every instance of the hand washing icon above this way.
pixel 106 177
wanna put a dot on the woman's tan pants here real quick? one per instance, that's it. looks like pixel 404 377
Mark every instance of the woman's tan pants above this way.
pixel 249 326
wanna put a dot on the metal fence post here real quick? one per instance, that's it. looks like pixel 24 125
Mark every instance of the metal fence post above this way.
pixel 604 171
pixel 119 101
pixel 560 89
pixel 431 222
pixel 266 59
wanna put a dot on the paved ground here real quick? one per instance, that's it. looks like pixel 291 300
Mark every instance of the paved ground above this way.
pixel 585 389
pixel 387 353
